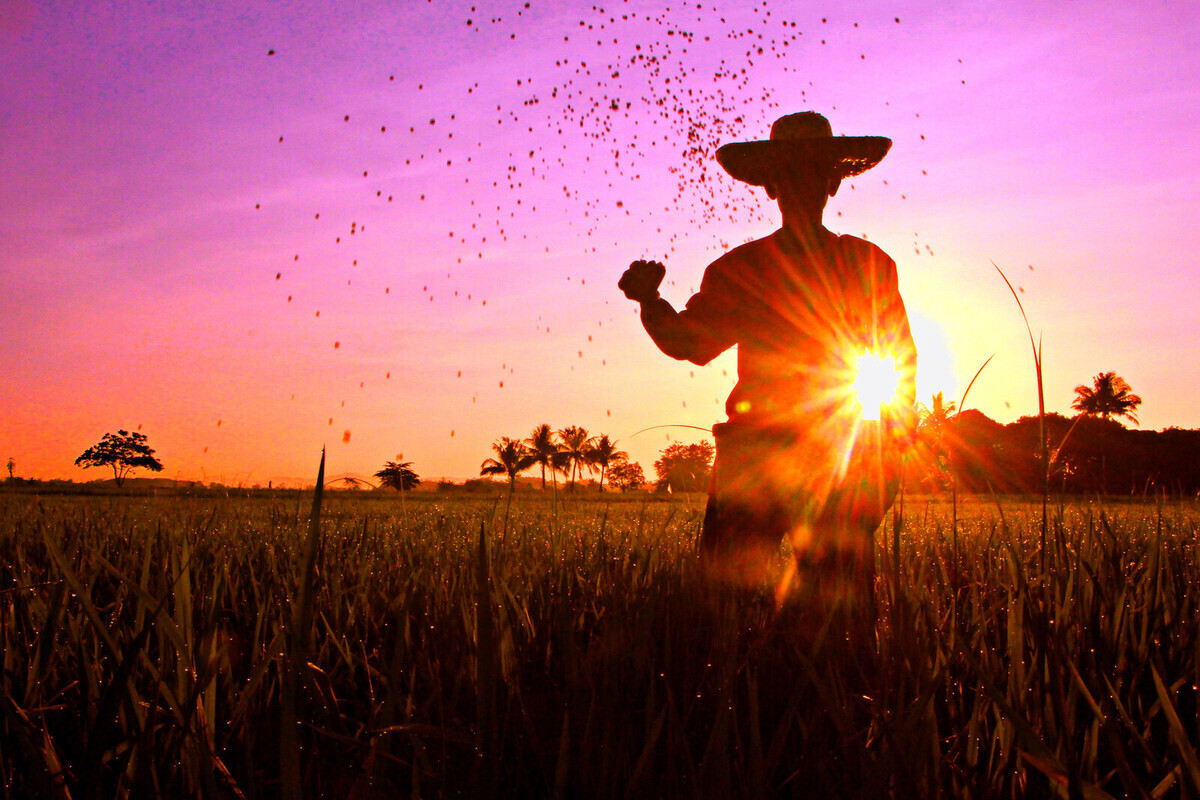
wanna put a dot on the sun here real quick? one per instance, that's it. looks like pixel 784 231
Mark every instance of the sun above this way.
pixel 876 381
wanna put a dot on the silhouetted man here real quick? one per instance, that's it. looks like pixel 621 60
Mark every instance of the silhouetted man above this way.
pixel 803 305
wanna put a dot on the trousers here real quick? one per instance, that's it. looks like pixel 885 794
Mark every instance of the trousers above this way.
pixel 824 487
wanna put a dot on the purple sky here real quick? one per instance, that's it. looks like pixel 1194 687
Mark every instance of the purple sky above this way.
pixel 516 160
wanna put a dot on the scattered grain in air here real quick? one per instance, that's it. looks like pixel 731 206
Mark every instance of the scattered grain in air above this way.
pixel 345 436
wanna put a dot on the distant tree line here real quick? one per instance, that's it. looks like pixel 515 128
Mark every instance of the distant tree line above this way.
pixel 1092 452
pixel 1089 453
pixel 1086 455
pixel 570 451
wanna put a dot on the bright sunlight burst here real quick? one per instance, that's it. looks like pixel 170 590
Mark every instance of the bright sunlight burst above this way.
pixel 876 381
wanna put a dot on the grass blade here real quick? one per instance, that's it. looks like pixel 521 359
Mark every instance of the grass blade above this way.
pixel 290 766
pixel 1178 736
pixel 487 662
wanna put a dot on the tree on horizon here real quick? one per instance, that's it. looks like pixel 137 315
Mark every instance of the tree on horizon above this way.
pixel 937 413
pixel 512 458
pixel 1109 396
pixel 575 444
pixel 400 477
pixel 603 453
pixel 544 449
pixel 626 475
pixel 933 423
pixel 123 452
pixel 684 467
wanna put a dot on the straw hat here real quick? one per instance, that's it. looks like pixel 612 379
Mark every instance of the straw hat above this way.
pixel 797 138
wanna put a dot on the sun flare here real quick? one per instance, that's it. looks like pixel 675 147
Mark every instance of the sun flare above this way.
pixel 876 382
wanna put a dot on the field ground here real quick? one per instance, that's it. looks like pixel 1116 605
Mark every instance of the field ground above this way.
pixel 170 646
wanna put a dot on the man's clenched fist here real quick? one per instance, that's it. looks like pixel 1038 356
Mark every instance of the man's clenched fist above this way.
pixel 641 281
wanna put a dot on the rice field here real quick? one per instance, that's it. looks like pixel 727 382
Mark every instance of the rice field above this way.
pixel 454 646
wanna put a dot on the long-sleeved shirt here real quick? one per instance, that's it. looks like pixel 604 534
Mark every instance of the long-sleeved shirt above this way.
pixel 800 312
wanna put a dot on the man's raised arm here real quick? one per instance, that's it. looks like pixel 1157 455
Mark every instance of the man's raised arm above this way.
pixel 681 335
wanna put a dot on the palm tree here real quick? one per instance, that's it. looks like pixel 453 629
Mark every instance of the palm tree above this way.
pixel 1109 396
pixel 603 453
pixel 938 413
pixel 544 449
pixel 400 477
pixel 933 420
pixel 512 458
pixel 561 462
pixel 575 445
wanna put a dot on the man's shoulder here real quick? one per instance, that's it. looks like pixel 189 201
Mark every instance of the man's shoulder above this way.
pixel 768 248
pixel 749 252
pixel 862 247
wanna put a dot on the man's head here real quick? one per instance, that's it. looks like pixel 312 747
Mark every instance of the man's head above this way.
pixel 803 188
pixel 802 165
pixel 802 148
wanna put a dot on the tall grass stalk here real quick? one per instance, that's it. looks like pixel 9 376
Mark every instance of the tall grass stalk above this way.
pixel 1043 455
pixel 296 661
pixel 953 480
